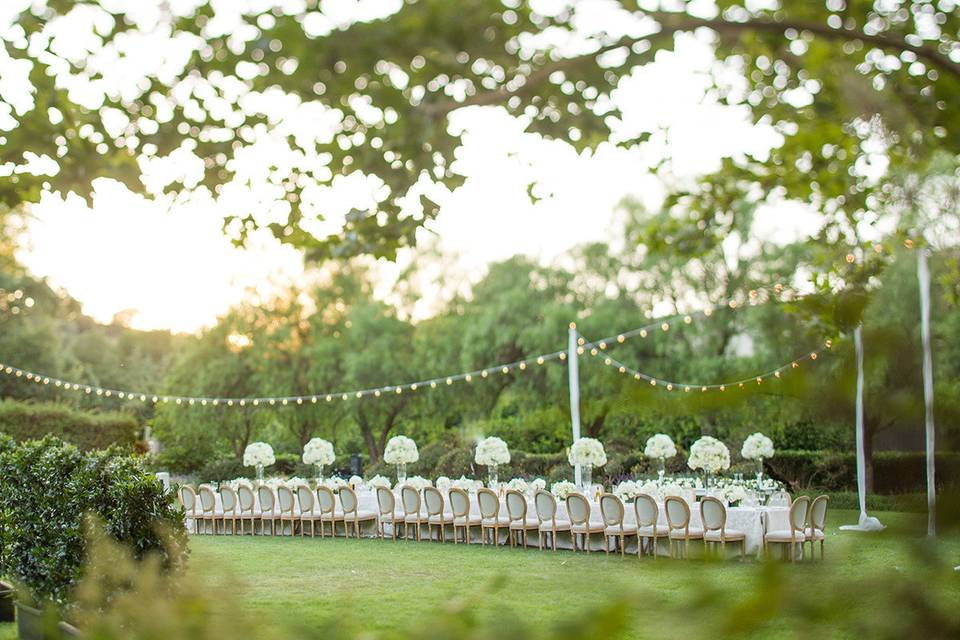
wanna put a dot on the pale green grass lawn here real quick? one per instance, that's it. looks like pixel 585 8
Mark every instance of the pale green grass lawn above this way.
pixel 383 585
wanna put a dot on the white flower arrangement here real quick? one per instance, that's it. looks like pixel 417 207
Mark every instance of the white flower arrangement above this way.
pixel 562 489
pixel 318 451
pixel 627 490
pixel 334 483
pixel 356 482
pixel 660 446
pixel 733 493
pixel 237 482
pixel 652 489
pixel 467 484
pixel 417 482
pixel 672 489
pixel 756 447
pixel 258 453
pixel 537 484
pixel 709 454
pixel 379 481
pixel 443 483
pixel 518 484
pixel 492 451
pixel 401 450
pixel 587 451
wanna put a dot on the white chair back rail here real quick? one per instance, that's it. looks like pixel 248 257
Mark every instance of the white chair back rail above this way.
pixel 516 506
pixel 305 498
pixel 818 512
pixel 713 513
pixel 326 500
pixel 434 501
pixel 188 498
pixel 611 508
pixel 246 498
pixel 411 500
pixel 348 500
pixel 489 503
pixel 459 503
pixel 228 498
pixel 678 512
pixel 208 501
pixel 285 500
pixel 265 494
pixel 385 501
pixel 798 513
pixel 578 508
pixel 546 506
pixel 647 510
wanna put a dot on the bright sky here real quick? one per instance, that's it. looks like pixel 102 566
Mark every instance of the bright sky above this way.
pixel 173 266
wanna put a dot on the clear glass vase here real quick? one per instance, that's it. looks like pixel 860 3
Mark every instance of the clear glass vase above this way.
pixel 586 478
pixel 401 472
pixel 493 478
pixel 759 473
pixel 708 479
pixel 661 468
pixel 319 474
pixel 260 473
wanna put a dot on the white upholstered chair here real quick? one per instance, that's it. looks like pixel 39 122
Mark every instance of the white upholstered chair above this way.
pixel 648 515
pixel 228 500
pixel 190 504
pixel 308 510
pixel 327 503
pixel 462 518
pixel 247 503
pixel 779 499
pixel 817 524
pixel 713 515
pixel 796 534
pixel 491 519
pixel 388 514
pixel 546 506
pixel 410 498
pixel 678 520
pixel 437 515
pixel 208 509
pixel 578 510
pixel 611 508
pixel 268 511
pixel 285 506
pixel 520 522
pixel 352 513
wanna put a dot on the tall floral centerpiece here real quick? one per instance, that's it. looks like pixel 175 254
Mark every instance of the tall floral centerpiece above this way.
pixel 660 447
pixel 401 451
pixel 757 447
pixel 259 455
pixel 588 453
pixel 492 452
pixel 710 456
pixel 318 452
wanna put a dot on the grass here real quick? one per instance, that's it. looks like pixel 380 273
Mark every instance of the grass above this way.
pixel 389 586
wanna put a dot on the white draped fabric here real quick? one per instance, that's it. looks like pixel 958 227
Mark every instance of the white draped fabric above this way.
pixel 750 520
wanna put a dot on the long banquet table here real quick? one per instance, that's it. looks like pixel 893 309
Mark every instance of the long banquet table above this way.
pixel 752 520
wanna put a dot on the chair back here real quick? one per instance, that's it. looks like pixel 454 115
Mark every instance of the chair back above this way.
pixel 228 500
pixel 516 506
pixel 818 512
pixel 459 503
pixel 779 499
pixel 713 514
pixel 647 510
pixel 386 502
pixel 546 505
pixel 411 500
pixel 246 498
pixel 285 499
pixel 208 501
pixel 265 494
pixel 326 500
pixel 188 498
pixel 434 500
pixel 578 508
pixel 305 498
pixel 678 512
pixel 489 503
pixel 348 500
pixel 611 508
pixel 798 513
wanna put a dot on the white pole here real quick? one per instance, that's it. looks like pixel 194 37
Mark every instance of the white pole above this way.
pixel 923 275
pixel 574 374
pixel 861 451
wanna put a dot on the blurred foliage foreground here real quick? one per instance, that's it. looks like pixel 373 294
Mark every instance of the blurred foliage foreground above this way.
pixel 120 597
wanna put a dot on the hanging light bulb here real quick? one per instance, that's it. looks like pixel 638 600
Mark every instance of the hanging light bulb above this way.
pixel 665 326
pixel 344 397
pixel 622 369
pixel 433 385
pixel 669 387
pixel 523 365
pixel 377 393
pixel 359 394
pixel 643 333
pixel 449 381
pixel 813 356
pixel 594 351
pixel 243 402
pixel 580 350
pixel 603 345
pixel 505 370
pixel 607 361
pixel 687 319
pixel 540 360
pixel 399 390
pixel 563 355
pixel 468 377
pixel 484 373
pixel 413 387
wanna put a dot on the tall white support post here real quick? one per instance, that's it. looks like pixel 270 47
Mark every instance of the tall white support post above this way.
pixel 574 376
pixel 923 275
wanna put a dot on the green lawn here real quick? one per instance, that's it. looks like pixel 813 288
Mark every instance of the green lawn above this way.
pixel 388 585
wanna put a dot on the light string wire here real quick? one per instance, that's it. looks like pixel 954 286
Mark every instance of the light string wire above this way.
pixel 663 323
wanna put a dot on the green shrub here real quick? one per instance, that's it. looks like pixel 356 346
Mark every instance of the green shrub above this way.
pixel 48 486
pixel 25 421
pixel 224 469
pixel 894 472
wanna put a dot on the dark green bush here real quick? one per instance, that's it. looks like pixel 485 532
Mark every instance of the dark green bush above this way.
pixel 893 471
pixel 48 486
pixel 224 469
pixel 25 421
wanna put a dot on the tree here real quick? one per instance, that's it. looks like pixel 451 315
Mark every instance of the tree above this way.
pixel 845 83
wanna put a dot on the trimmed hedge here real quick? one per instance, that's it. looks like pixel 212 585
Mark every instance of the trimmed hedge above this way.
pixel 893 471
pixel 48 487
pixel 26 421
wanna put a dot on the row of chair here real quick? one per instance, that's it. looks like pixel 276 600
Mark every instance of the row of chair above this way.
pixel 806 519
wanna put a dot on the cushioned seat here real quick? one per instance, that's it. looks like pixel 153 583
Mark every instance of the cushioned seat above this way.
pixel 660 530
pixel 728 535
pixel 445 518
pixel 396 516
pixel 817 535
pixel 501 521
pixel 693 533
pixel 414 518
pixel 615 530
pixel 593 527
pixel 785 535
pixel 529 523
pixel 561 525
pixel 310 515
pixel 468 520
pixel 336 515
pixel 362 514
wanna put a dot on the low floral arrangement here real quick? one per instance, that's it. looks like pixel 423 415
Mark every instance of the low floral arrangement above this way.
pixel 356 482
pixel 443 483
pixel 757 447
pixel 237 482
pixel 651 489
pixel 258 453
pixel 334 483
pixel 660 446
pixel 733 494
pixel 673 489
pixel 492 451
pixel 400 450
pixel 318 451
pixel 537 484
pixel 467 484
pixel 417 482
pixel 587 451
pixel 709 454
pixel 628 490
pixel 518 484
pixel 379 481
pixel 562 489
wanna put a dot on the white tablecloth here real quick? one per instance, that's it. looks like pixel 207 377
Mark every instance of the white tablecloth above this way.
pixel 749 520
